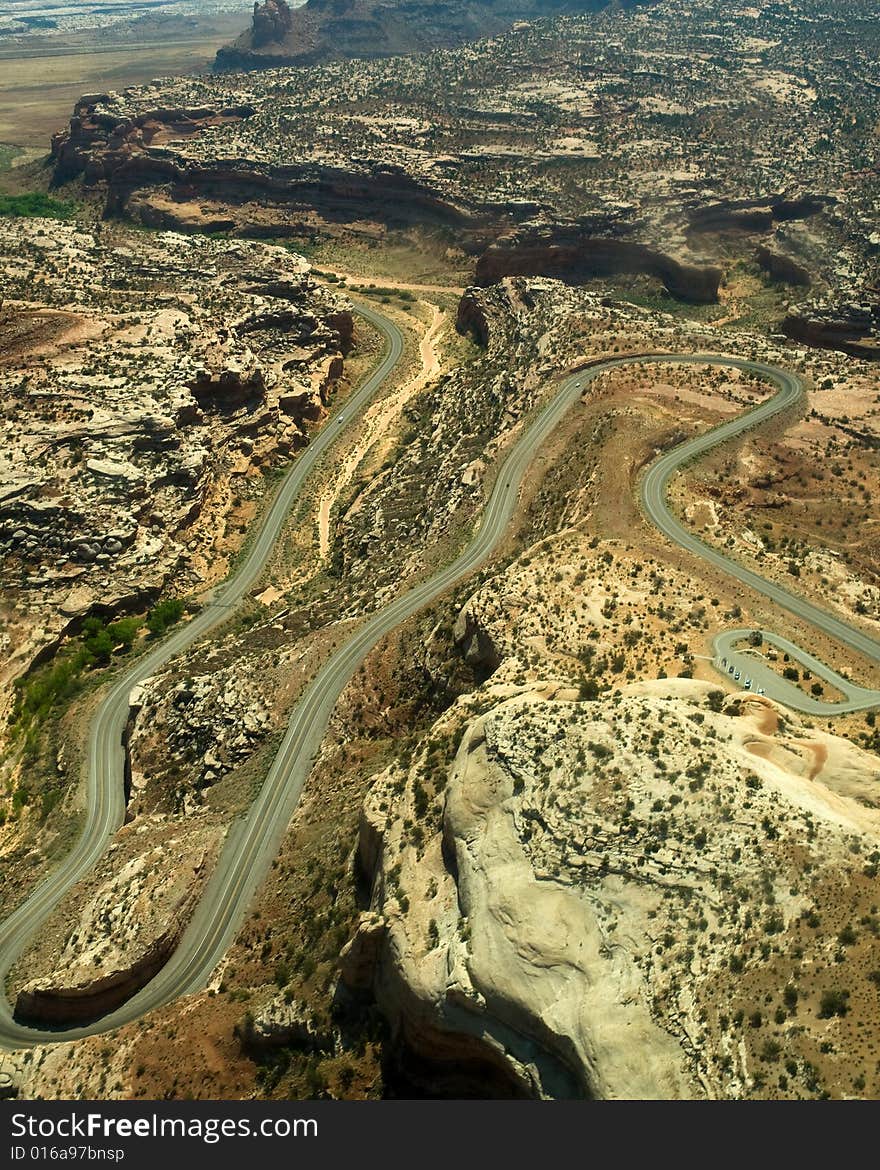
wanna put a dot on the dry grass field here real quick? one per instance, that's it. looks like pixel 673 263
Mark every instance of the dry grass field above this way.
pixel 39 85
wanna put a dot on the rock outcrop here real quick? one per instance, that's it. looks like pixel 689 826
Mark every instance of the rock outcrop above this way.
pixel 324 30
pixel 850 326
pixel 272 22
pixel 53 1003
pixel 281 1023
pixel 572 251
pixel 135 411
pixel 100 136
pixel 124 150
pixel 778 266
pixel 128 925
pixel 202 726
pixel 229 389
pixel 520 925
pixel 472 316
pixel 9 1080
pixel 756 215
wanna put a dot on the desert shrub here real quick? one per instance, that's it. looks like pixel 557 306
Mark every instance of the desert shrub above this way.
pixel 833 1003
pixel 163 615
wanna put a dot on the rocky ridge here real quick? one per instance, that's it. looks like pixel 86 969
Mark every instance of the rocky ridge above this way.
pixel 563 916
pixel 579 251
pixel 131 913
pixel 158 377
pixel 320 30
pixel 627 154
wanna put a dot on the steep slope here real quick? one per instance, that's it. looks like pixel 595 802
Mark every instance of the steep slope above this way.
pixel 324 30
pixel 586 905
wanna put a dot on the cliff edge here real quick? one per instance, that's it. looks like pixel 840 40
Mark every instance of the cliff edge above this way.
pixel 325 30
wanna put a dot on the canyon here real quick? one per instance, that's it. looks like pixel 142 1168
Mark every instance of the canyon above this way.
pixel 546 850
pixel 530 169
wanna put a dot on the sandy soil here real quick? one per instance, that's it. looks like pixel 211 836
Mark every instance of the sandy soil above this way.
pixel 374 432
pixel 37 93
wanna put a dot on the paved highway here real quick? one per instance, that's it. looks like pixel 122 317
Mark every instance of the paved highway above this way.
pixel 105 797
pixel 790 390
pixel 733 655
pixel 254 839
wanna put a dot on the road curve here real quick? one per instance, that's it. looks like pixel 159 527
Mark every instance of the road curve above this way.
pixel 654 492
pixel 734 654
pixel 105 796
pixel 254 838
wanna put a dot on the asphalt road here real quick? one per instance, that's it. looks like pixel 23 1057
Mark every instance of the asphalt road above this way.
pixel 790 390
pixel 754 667
pixel 254 839
pixel 104 795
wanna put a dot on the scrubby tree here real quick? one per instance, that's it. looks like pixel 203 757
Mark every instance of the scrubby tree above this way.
pixel 164 614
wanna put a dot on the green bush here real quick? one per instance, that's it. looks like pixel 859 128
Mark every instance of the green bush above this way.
pixel 833 1003
pixel 588 690
pixel 97 640
pixel 124 631
pixel 163 615
pixel 53 685
pixel 100 646
pixel 48 801
pixel 34 204
pixel 38 693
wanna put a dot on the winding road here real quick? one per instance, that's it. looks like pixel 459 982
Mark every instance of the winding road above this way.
pixel 254 839
pixel 654 491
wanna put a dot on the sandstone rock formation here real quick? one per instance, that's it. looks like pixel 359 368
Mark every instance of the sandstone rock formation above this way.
pixel 329 29
pixel 201 726
pixel 8 1080
pixel 271 23
pixel 124 149
pixel 853 327
pixel 778 266
pixel 100 136
pixel 521 929
pixel 756 215
pixel 537 158
pixel 283 1022
pixel 571 251
pixel 128 924
pixel 135 408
